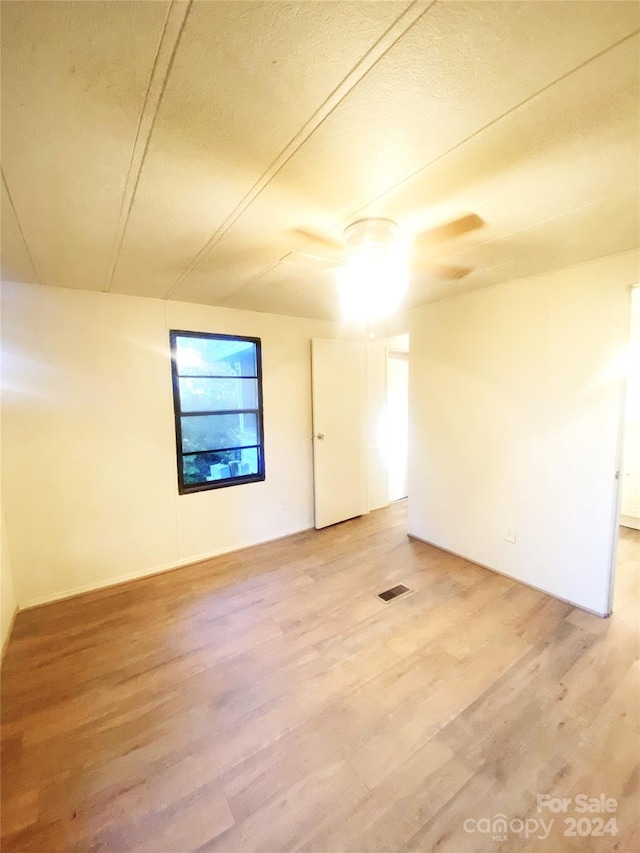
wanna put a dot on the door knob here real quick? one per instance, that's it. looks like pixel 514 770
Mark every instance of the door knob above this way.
pixel 320 435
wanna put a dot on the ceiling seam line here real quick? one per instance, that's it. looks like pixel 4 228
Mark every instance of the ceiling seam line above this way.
pixel 478 132
pixel 20 229
pixel 274 169
pixel 133 175
pixel 524 278
pixel 117 242
pixel 541 222
pixel 497 119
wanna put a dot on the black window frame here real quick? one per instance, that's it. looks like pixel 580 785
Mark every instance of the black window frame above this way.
pixel 190 488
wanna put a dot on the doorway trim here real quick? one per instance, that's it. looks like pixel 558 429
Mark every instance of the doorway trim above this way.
pixel 618 474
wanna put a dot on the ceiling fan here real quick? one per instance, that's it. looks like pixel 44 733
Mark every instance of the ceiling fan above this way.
pixel 382 237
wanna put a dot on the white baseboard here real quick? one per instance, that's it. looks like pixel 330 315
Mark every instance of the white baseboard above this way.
pixel 511 578
pixel 156 570
pixel 630 521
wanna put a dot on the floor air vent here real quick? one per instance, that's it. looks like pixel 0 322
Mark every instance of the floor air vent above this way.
pixel 394 592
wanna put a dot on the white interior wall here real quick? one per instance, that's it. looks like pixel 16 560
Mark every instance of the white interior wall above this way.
pixel 630 499
pixel 8 602
pixel 514 420
pixel 89 480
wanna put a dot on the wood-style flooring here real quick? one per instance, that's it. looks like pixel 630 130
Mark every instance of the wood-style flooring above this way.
pixel 269 701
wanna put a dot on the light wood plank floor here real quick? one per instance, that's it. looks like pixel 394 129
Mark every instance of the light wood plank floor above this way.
pixel 269 701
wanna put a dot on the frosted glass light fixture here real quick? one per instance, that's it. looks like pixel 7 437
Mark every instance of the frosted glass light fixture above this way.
pixel 375 277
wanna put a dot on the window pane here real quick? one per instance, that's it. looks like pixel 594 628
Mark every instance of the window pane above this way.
pixel 213 357
pixel 210 432
pixel 205 395
pixel 208 467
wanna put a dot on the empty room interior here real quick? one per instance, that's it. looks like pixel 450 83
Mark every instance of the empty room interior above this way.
pixel 320 457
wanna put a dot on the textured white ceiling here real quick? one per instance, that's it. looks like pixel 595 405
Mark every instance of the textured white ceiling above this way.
pixel 168 149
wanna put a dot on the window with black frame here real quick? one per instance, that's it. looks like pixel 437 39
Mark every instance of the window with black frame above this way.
pixel 217 398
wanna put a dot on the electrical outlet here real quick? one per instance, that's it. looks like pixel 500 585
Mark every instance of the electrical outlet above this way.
pixel 510 533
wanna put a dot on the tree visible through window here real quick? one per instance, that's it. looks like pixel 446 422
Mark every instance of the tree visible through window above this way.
pixel 217 398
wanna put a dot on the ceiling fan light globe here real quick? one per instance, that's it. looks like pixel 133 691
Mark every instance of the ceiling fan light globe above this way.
pixel 372 285
pixel 370 232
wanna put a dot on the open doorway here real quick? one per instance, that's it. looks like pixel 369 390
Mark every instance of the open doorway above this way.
pixel 625 567
pixel 397 416
pixel 630 472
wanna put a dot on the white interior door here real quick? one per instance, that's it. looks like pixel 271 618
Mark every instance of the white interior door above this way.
pixel 339 390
